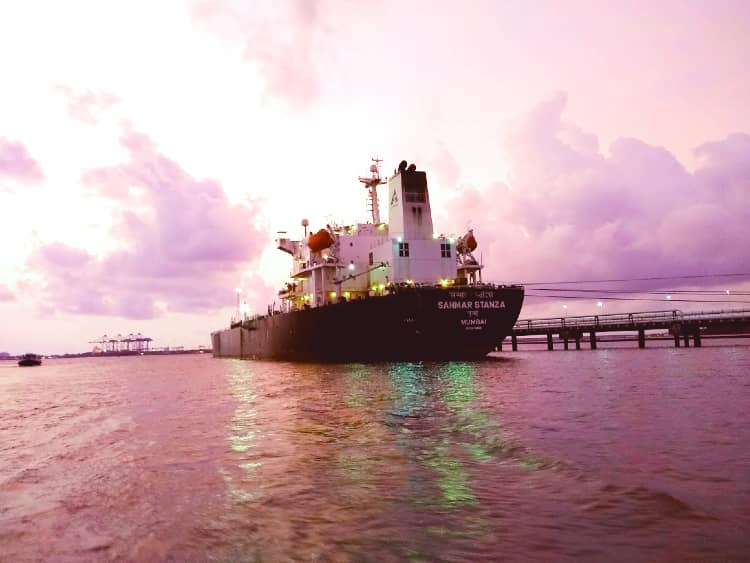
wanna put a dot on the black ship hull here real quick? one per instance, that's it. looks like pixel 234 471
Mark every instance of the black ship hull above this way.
pixel 410 324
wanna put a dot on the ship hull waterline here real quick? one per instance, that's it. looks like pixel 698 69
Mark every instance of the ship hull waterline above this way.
pixel 415 324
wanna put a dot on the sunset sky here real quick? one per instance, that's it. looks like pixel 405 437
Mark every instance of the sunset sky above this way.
pixel 150 151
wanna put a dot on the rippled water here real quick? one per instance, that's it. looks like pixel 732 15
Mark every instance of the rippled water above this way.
pixel 591 455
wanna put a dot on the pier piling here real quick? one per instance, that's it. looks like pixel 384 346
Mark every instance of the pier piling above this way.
pixel 592 339
pixel 641 338
pixel 549 341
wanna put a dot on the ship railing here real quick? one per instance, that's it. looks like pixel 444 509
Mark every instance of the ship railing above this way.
pixel 487 285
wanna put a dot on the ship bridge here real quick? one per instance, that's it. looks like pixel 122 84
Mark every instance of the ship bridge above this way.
pixel 366 259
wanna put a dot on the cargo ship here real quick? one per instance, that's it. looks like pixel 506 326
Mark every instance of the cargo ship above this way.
pixel 379 291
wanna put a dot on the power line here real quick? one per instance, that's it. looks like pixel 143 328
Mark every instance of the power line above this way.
pixel 646 292
pixel 579 297
pixel 653 278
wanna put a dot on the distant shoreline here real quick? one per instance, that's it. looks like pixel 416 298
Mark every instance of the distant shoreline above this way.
pixel 113 354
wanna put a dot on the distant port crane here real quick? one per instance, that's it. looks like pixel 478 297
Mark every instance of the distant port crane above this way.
pixel 114 344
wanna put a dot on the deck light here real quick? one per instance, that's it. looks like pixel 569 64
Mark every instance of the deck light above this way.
pixel 399 239
pixel 351 265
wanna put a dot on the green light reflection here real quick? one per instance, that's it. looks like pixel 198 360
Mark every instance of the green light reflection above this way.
pixel 485 437
pixel 451 431
pixel 409 387
pixel 356 379
pixel 453 480
pixel 412 387
pixel 242 436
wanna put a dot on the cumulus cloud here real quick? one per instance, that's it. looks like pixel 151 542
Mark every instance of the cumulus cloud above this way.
pixel 6 294
pixel 571 212
pixel 87 105
pixel 183 245
pixel 17 164
pixel 282 39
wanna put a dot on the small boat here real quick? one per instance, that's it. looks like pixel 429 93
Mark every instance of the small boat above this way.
pixel 30 360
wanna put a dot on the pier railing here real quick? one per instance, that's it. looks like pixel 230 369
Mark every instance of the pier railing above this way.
pixel 597 321
pixel 720 315
pixel 679 324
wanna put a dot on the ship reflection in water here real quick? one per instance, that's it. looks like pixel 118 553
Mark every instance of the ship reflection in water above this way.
pixel 596 456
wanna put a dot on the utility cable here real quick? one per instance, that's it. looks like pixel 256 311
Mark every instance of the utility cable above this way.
pixel 580 297
pixel 653 278
pixel 645 292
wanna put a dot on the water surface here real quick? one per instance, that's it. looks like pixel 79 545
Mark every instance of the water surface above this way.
pixel 615 454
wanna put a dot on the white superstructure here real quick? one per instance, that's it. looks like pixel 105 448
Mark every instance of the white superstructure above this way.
pixel 369 259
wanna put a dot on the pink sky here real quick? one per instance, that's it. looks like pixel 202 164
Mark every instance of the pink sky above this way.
pixel 150 151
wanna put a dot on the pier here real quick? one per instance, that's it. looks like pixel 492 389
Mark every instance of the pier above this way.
pixel 682 327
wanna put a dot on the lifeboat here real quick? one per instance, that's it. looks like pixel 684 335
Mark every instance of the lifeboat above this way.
pixel 467 243
pixel 320 241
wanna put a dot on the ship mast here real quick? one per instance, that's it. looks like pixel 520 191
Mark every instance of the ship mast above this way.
pixel 372 184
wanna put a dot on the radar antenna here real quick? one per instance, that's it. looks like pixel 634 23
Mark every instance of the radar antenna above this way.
pixel 372 184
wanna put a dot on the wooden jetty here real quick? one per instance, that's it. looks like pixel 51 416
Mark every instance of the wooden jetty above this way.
pixel 681 326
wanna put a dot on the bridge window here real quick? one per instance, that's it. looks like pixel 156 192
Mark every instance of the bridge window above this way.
pixel 403 249
pixel 445 250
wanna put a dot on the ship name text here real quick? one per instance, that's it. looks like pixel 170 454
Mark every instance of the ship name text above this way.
pixel 473 322
pixel 464 305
